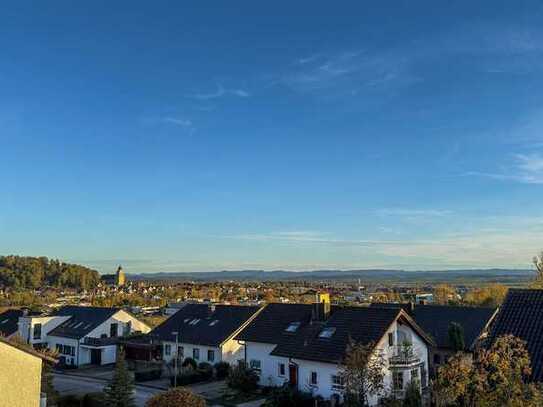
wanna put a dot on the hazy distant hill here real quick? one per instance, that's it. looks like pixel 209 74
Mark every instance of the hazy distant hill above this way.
pixel 372 276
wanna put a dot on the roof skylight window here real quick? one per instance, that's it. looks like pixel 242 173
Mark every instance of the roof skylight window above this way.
pixel 327 332
pixel 293 327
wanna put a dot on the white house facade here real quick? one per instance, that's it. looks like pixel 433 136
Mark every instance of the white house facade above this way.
pixel 204 333
pixel 290 347
pixel 81 335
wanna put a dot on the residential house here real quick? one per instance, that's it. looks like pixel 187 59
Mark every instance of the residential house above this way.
pixel 304 345
pixel 521 315
pixel 20 375
pixel 81 335
pixel 204 332
pixel 9 322
pixel 436 321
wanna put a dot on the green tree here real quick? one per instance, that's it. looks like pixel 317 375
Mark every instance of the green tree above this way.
pixel 412 397
pixel 119 392
pixel 363 372
pixel 456 337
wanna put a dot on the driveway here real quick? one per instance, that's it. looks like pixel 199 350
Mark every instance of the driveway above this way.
pixel 67 384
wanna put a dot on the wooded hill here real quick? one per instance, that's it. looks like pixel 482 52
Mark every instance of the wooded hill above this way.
pixel 34 272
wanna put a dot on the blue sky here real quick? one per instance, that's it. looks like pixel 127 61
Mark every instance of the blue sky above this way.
pixel 186 136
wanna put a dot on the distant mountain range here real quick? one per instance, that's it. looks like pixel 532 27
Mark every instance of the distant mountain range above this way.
pixel 509 276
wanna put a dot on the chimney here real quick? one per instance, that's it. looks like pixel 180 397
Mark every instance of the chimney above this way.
pixel 321 307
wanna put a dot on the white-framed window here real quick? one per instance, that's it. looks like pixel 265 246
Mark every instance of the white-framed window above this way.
pixel 255 365
pixel 196 354
pixel 397 380
pixel 180 352
pixel 281 369
pixel 37 331
pixel 390 339
pixel 337 382
pixel 167 349
pixel 210 355
pixel 313 379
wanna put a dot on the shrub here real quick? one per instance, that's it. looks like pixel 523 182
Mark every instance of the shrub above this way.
pixel 191 377
pixel 412 395
pixel 93 400
pixel 243 379
pixel 221 370
pixel 205 366
pixel 178 397
pixel 190 362
pixel 287 396
pixel 69 400
pixel 147 375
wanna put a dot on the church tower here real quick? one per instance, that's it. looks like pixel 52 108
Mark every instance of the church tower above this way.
pixel 120 277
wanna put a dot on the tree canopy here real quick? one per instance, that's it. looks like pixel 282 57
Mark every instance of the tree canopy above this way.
pixel 34 272
pixel 496 377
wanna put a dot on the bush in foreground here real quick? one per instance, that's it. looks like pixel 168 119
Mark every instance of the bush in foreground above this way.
pixel 221 370
pixel 177 397
pixel 243 379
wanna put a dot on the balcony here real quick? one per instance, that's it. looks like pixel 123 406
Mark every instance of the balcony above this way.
pixel 405 355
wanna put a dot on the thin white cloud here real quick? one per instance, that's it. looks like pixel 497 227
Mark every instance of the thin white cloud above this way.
pixel 177 121
pixel 412 212
pixel 220 92
pixel 526 169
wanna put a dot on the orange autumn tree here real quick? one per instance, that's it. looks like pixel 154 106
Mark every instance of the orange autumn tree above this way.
pixel 496 377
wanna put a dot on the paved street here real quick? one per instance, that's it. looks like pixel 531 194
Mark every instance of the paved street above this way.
pixel 66 384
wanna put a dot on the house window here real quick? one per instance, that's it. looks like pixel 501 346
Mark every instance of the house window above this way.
pixel 437 359
pixel 313 380
pixel 167 349
pixel 255 365
pixel 66 350
pixel 424 376
pixel 180 352
pixel 113 329
pixel 37 331
pixel 390 339
pixel 210 355
pixel 73 350
pixel 397 380
pixel 196 354
pixel 59 348
pixel 337 382
pixel 415 374
pixel 281 369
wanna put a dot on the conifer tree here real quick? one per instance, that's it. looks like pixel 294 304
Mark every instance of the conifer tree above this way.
pixel 119 392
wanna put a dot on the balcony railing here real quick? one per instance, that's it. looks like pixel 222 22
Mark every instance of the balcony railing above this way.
pixel 405 355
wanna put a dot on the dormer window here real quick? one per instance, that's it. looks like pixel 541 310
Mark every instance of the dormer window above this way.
pixel 293 327
pixel 327 332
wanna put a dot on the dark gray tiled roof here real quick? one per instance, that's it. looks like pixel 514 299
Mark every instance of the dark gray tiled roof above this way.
pixel 270 324
pixel 200 324
pixel 82 320
pixel 521 315
pixel 9 321
pixel 359 324
pixel 436 319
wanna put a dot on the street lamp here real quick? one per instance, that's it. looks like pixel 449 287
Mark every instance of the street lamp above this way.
pixel 176 333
